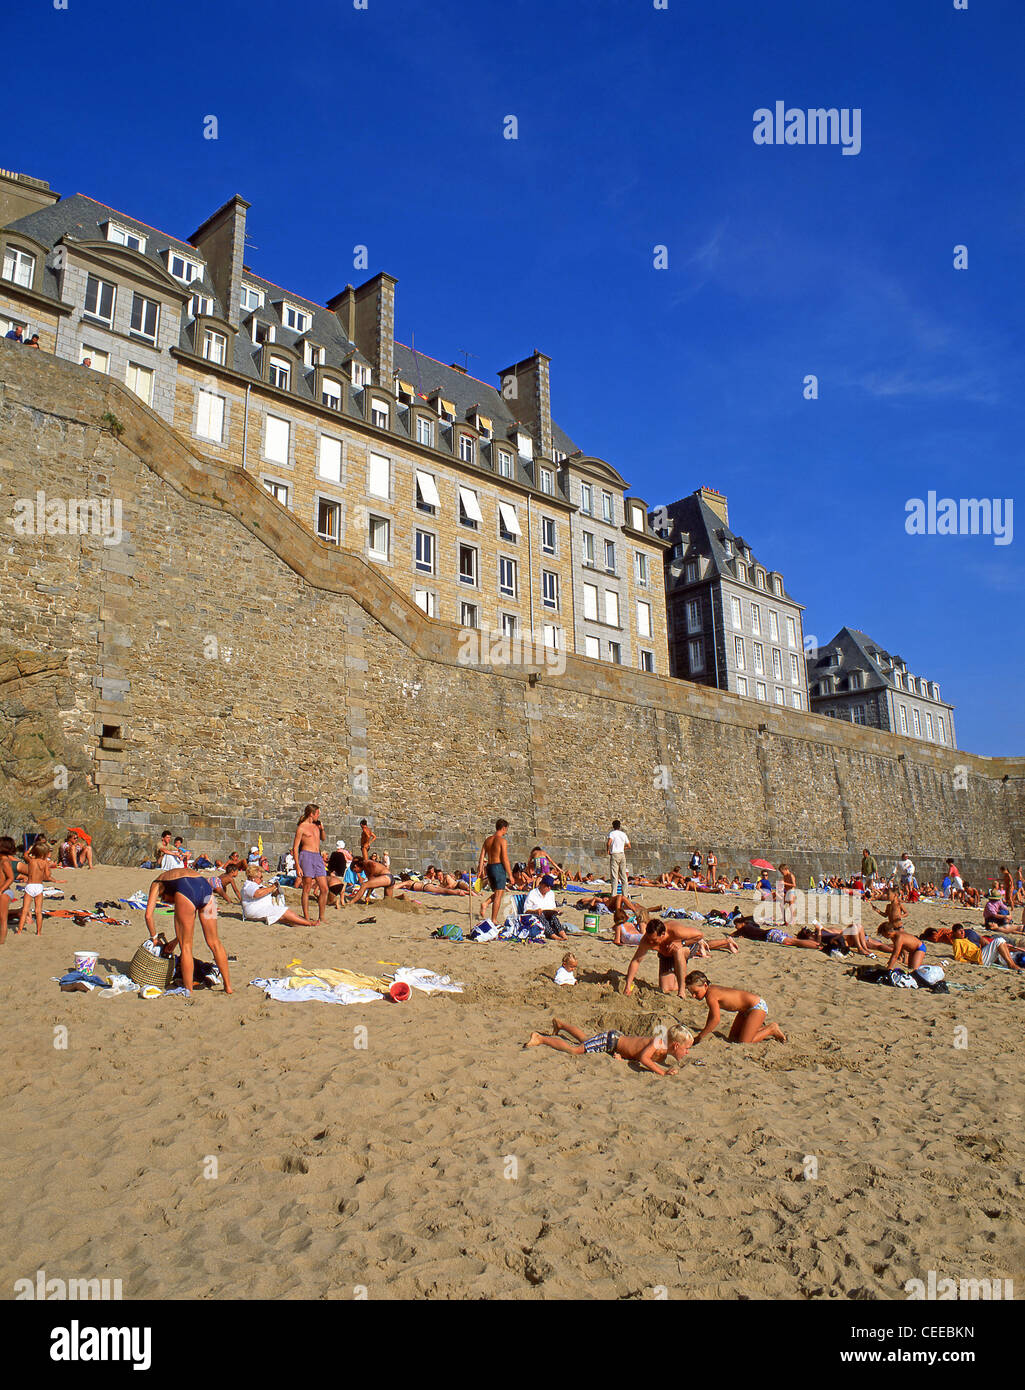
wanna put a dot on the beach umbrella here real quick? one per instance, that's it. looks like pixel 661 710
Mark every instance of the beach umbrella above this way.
pixel 761 864
pixel 89 839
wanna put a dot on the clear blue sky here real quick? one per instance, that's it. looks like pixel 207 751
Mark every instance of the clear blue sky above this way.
pixel 384 127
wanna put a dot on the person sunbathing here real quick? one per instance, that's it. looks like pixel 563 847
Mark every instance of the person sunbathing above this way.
pixel 627 1047
pixel 979 952
pixel 611 901
pixel 751 1024
pixel 258 903
pixel 776 936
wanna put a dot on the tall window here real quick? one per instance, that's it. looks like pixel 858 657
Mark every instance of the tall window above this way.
pixel 469 509
pixel 917 723
pixel 641 568
pixel 759 658
pixel 468 565
pixel 19 266
pixel 425 431
pixel 647 659
pixel 760 691
pixel 643 619
pixel 145 313
pixel 425 552
pixel 426 487
pixel 547 483
pixel 276 439
pixel 608 509
pixel 505 464
pixel 773 625
pixel 738 643
pixel 799 704
pixel 507 576
pixel 591 602
pixel 611 608
pixel 210 416
pixel 903 719
pixel 378 476
pixel 616 653
pixel 508 523
pixel 735 610
pixel 588 544
pixel 756 620
pixel 549 589
pixel 331 394
pixel 795 670
pixel 329 520
pixel 140 380
pixel 694 615
pixel 940 731
pixel 610 556
pixel 215 346
pixel 696 655
pixel 100 297
pixel 379 537
pixel 329 459
pixel 777 665
pixel 791 632
pixel 547 535
pixel 467 448
pixel 587 499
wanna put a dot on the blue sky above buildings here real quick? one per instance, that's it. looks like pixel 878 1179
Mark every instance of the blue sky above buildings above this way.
pixel 384 127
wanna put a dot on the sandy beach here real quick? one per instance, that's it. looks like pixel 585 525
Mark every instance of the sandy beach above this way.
pixel 442 1160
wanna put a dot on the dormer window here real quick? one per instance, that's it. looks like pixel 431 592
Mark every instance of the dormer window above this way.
pixel 19 267
pixel 484 425
pixel 742 571
pixel 313 356
pixel 546 481
pixel 331 394
pixel 446 410
pixel 425 431
pixel 637 516
pixel 125 236
pixel 360 374
pixel 280 373
pixel 298 320
pixel 200 304
pixel 559 455
pixel 215 347
pixel 524 446
pixel 379 413
pixel 760 578
pixel 777 584
pixel 467 448
pixel 505 464
pixel 250 298
pixel 727 545
pixel 691 572
pixel 182 268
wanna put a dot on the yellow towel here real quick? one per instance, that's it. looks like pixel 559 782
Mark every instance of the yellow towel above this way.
pixel 302 977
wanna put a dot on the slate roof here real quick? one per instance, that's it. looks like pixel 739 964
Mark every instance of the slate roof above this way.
pixel 706 532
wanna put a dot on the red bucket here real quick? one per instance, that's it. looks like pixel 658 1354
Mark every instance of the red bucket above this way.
pixel 399 991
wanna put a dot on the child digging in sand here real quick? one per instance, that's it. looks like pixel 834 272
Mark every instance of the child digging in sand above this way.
pixel 751 1024
pixel 676 1043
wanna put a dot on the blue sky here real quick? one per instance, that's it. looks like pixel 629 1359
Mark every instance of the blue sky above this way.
pixel 384 127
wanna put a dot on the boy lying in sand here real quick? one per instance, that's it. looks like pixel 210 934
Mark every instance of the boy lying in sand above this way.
pixel 628 1048
pixel 751 1024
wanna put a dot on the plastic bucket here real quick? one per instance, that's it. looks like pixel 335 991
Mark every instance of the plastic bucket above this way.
pixel 399 991
pixel 591 922
pixel 86 961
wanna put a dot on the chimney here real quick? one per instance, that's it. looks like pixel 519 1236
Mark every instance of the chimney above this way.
pixel 21 194
pixel 526 390
pixel 372 312
pixel 716 501
pixel 343 306
pixel 221 241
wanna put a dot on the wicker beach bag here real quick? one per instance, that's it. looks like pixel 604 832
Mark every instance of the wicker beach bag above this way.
pixel 147 969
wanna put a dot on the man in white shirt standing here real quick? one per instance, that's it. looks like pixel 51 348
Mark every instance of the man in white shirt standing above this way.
pixel 616 846
pixel 906 869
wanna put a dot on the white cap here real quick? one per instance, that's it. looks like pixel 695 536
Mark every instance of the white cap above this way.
pixel 339 844
pixel 254 849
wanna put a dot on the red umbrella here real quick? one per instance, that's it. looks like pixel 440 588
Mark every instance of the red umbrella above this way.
pixel 761 864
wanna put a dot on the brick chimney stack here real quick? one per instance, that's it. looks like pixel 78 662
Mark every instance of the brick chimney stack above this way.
pixel 716 501
pixel 526 390
pixel 367 318
pixel 221 241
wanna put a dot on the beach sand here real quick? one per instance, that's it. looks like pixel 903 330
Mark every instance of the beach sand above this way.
pixel 444 1161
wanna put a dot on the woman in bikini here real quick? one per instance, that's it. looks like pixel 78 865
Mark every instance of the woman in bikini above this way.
pixel 191 896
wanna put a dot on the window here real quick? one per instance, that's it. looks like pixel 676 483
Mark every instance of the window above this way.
pixel 95 358
pixel 643 619
pixel 940 731
pixel 916 720
pixel 277 435
pixel 547 483
pixel 549 589
pixel 467 448
pixel 250 298
pixel 637 516
pixel 592 647
pixel 589 549
pixel 587 499
pixel 524 445
pixel 298 320
pixel 773 625
pixel 777 584
pixel 696 655
pixel 210 416
pixel 641 568
pixel 425 547
pixel 505 464
pixel 735 611
pixel 781 699
pixel 508 621
pixel 742 572
pixel 777 665
pixel 181 267
pixel 279 491
pixel 693 611
pixel 215 346
pixel 200 304
pixel 738 643
pixel 591 602
pixel 648 662
pixel 507 576
pixel 425 431
pixel 19 266
pixel 329 459
pixel 727 545
pixel 378 476
pixel 427 499
pixel 760 578
pixel 280 374
pixel 329 520
pixel 100 297
pixel 607 507
pixel 911 685
pixel 331 394
pixel 140 380
pixel 610 556
pixel 508 522
pixel 423 598
pixel 145 313
pixel 550 636
pixel 795 670
pixel 379 413
pixel 791 632
pixel 760 691
pixel 547 535
pixel 799 704
pixel 469 508
pixel 124 236
pixel 616 653
pixel 468 565
pixel 857 711
pixel 759 659
pixel 468 615
pixel 313 356
pixel 756 620
pixel 379 537
pixel 691 572
pixel 903 719
pixel 360 374
pixel 611 608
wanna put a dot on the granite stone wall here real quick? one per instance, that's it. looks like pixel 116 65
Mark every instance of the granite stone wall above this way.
pixel 207 665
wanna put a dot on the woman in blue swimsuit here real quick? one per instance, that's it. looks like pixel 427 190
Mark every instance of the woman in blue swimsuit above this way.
pixel 190 896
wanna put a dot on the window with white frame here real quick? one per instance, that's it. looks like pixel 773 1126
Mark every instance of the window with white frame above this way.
pixel 742 685
pixel 379 537
pixel 727 545
pixel 547 481
pixel 857 713
pixel 259 332
pixel 426 488
pixel 425 552
pixel 276 439
pixel 777 664
pixel 19 266
pixel 140 380
pixel 250 298
pixel 608 508
pixel 329 520
pixel 507 576
pixel 425 431
pixel 903 719
pixel 469 615
pixel 468 567
pixel 588 549
pixel 592 647
pixel 641 568
pixel 591 602
pixel 547 535
pixel 379 413
pixel 331 394
pixel 145 316
pixel 125 236
pixel 298 320
pixel 616 653
pixel 279 491
pixel 791 632
pixel 280 373
pixel 200 304
pixel 100 298
pixel 941 732
pixel 738 644
pixel 549 589
pixel 637 515
pixel 95 358
pixel 610 556
pixel 696 655
pixel 469 509
pixel 329 459
pixel 182 268
pixel 759 658
pixel 467 448
pixel 360 374
pixel 378 476
pixel 611 608
pixel 761 693
pixel 773 626
pixel 505 464
pixel 799 704
pixel 780 695
pixel 587 499
pixel 643 619
pixel 795 670
pixel 550 636
pixel 760 578
pixel 916 720
pixel 524 445
pixel 742 572
pixel 693 611
pixel 777 584
pixel 215 346
pixel 508 623
pixel 210 416
pixel 313 356
pixel 756 620
pixel 425 599
pixel 508 523
pixel 691 572
pixel 647 660
pixel 735 611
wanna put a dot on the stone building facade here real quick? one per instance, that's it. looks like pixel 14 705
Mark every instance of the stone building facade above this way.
pixel 466 495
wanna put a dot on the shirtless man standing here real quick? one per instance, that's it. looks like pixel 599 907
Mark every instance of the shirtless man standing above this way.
pixel 674 943
pixel 494 857
pixel 306 852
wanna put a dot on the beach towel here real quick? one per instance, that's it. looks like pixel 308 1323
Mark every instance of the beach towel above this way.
pixel 350 979
pixel 427 981
pixel 137 900
pixel 315 992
